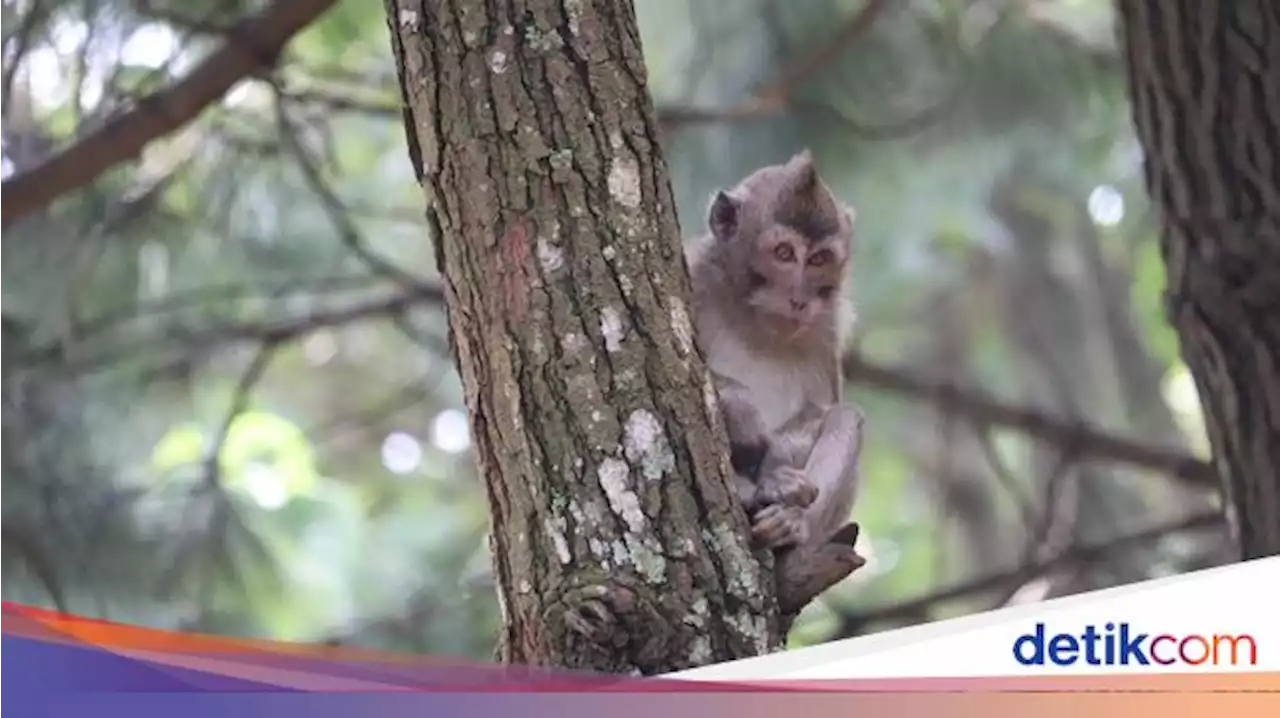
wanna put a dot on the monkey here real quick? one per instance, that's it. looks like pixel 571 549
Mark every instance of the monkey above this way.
pixel 767 276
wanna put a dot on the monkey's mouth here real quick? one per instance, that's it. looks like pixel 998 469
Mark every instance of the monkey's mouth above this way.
pixel 789 325
pixel 800 328
pixel 784 322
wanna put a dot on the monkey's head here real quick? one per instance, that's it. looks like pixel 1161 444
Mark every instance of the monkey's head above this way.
pixel 783 242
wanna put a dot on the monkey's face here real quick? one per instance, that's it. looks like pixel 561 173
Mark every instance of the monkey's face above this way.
pixel 793 281
pixel 783 242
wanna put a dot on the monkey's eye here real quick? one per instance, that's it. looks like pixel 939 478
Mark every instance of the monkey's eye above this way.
pixel 784 252
pixel 756 279
pixel 826 292
pixel 819 258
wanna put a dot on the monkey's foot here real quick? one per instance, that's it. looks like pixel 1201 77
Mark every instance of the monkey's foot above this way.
pixel 786 485
pixel 778 525
pixel 804 573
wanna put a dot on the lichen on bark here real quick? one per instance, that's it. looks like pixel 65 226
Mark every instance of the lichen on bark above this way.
pixel 617 541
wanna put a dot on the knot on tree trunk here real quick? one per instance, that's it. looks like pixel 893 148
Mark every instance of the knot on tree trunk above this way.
pixel 619 624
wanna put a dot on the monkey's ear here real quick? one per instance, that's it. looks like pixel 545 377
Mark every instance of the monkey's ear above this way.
pixel 724 218
pixel 849 215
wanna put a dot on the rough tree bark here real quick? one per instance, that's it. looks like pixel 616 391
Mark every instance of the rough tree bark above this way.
pixel 617 542
pixel 1206 105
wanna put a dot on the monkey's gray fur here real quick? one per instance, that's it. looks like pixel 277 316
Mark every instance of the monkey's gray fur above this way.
pixel 767 279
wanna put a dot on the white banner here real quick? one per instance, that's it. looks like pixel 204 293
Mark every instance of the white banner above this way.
pixel 1225 619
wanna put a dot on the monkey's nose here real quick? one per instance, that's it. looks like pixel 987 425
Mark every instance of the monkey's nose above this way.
pixel 799 304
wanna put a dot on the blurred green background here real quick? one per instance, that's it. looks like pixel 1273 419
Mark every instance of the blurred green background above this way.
pixel 221 414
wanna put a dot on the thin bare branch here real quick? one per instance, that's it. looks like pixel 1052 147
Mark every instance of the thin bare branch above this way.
pixel 1087 441
pixel 239 402
pixel 813 62
pixel 177 18
pixel 333 205
pixel 1010 483
pixel 919 609
pixel 406 395
pixel 25 546
pixel 255 42
pixel 772 97
pixel 21 43
pixel 276 329
pixel 197 297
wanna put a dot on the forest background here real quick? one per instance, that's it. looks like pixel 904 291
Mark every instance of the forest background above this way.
pixel 226 410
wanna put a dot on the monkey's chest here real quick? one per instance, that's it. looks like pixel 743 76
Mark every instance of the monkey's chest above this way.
pixel 780 387
pixel 785 396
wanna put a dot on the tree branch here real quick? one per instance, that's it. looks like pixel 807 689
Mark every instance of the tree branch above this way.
pixel 812 63
pixel 771 98
pixel 274 330
pixel 918 608
pixel 332 204
pixel 24 545
pixel 253 43
pixel 239 403
pixel 1086 441
pixel 35 16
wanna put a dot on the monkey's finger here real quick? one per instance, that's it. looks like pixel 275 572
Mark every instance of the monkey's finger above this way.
pixel 767 533
pixel 803 494
pixel 777 525
pixel 800 495
pixel 788 485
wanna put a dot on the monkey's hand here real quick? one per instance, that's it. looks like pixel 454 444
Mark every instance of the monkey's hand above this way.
pixel 778 525
pixel 786 485
pixel 783 492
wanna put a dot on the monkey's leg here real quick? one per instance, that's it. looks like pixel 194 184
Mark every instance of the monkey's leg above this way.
pixel 833 468
pixel 785 484
pixel 785 489
pixel 827 555
pixel 773 494
pixel 782 476
pixel 750 449
pixel 783 492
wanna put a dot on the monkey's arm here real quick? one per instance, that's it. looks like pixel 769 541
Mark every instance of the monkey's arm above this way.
pixel 748 443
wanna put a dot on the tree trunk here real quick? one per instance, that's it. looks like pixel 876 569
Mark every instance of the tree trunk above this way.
pixel 618 544
pixel 1206 105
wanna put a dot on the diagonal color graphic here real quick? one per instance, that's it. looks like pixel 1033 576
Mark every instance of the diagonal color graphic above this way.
pixel 60 664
